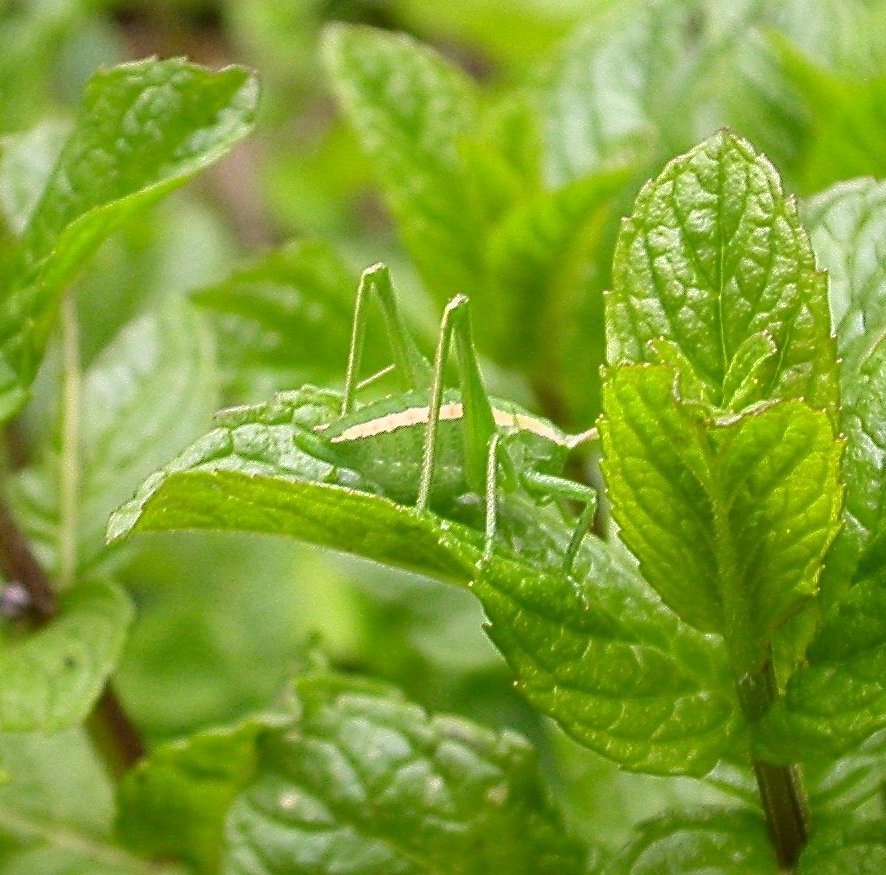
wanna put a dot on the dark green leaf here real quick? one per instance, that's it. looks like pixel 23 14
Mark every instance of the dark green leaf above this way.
pixel 143 130
pixel 367 783
pixel 358 780
pixel 714 259
pixel 53 675
pixel 721 841
pixel 731 518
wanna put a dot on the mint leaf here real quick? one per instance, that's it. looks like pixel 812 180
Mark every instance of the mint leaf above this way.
pixel 729 518
pixel 356 780
pixel 254 473
pixel 251 474
pixel 610 94
pixel 838 699
pixel 616 669
pixel 722 841
pixel 53 675
pixel 712 257
pixel 143 130
pixel 143 398
pixel 56 810
pixel 410 108
pixel 858 846
pixel 847 114
pixel 290 310
pixel 848 228
pixel 446 795
pixel 175 802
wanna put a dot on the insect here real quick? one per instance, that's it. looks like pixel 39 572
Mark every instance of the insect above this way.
pixel 437 448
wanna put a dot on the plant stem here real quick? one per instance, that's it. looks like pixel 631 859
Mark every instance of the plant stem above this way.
pixel 781 787
pixel 69 458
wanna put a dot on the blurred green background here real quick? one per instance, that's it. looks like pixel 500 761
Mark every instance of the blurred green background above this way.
pixel 222 621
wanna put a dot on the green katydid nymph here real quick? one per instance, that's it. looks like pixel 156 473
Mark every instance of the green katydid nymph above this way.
pixel 435 447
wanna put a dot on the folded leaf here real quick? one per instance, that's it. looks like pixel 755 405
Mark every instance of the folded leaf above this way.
pixel 143 130
pixel 712 256
pixel 730 519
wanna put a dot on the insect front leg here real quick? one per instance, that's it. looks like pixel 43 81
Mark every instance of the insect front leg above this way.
pixel 411 367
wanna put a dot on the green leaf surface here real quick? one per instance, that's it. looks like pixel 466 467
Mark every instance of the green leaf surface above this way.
pixel 848 228
pixel 56 810
pixel 366 783
pixel 850 845
pixel 290 310
pixel 149 392
pixel 174 803
pixel 539 259
pixel 730 519
pixel 838 699
pixel 357 780
pixel 250 474
pixel 53 675
pixel 410 108
pixel 847 117
pixel 613 666
pixel 143 130
pixel 715 841
pixel 712 258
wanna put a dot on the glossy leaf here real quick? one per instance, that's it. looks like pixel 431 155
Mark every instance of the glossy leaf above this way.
pixel 712 257
pixel 730 519
pixel 54 675
pixel 143 130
